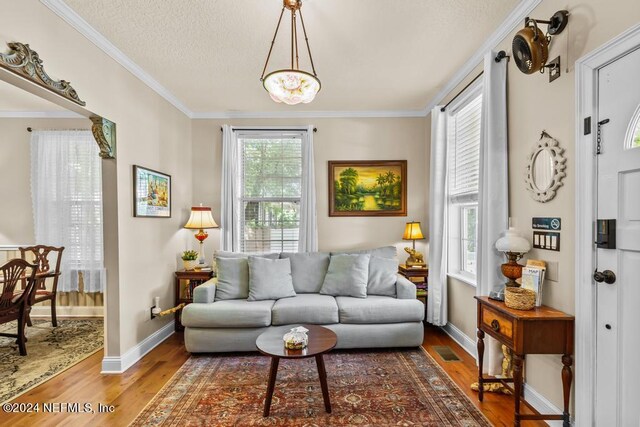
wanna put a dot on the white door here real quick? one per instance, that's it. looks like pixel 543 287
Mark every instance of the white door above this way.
pixel 618 304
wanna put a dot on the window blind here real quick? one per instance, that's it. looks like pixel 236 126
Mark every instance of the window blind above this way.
pixel 271 189
pixel 464 133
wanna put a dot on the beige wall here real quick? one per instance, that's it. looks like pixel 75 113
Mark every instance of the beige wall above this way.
pixel 16 215
pixel 336 139
pixel 150 132
pixel 535 105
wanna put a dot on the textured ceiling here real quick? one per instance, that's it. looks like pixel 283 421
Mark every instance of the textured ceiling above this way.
pixel 369 54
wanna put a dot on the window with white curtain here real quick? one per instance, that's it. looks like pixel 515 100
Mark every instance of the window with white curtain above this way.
pixel 270 190
pixel 66 191
pixel 463 141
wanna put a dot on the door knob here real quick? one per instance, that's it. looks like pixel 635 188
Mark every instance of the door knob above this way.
pixel 606 276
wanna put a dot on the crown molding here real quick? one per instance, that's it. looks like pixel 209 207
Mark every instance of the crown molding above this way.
pixel 61 9
pixel 307 114
pixel 40 115
pixel 515 18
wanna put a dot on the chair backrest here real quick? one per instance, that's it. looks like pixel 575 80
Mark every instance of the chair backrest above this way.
pixel 40 254
pixel 11 273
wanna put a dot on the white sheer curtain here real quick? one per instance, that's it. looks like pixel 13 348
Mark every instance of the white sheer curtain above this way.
pixel 493 195
pixel 229 239
pixel 308 238
pixel 437 301
pixel 66 191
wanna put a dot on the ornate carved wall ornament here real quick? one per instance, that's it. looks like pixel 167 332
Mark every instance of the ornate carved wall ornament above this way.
pixel 25 62
pixel 545 169
pixel 104 132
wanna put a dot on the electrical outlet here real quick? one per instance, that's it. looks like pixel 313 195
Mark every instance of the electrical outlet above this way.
pixel 552 271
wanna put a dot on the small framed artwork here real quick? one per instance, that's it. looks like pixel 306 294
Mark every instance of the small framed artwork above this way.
pixel 368 188
pixel 151 193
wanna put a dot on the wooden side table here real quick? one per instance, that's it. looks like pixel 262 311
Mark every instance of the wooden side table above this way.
pixel 186 281
pixel 542 330
pixel 420 277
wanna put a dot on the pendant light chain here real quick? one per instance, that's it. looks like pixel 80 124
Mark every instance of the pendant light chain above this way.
pixel 306 39
pixel 295 32
pixel 264 70
pixel 291 85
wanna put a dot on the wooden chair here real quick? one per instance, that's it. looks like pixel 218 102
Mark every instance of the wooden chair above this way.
pixel 16 306
pixel 40 254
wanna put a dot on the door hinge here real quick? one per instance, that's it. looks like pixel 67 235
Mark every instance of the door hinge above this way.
pixel 599 137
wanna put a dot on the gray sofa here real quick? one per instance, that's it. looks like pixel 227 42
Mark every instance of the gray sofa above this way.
pixel 214 325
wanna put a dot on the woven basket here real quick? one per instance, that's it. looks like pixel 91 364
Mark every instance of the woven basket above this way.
pixel 519 298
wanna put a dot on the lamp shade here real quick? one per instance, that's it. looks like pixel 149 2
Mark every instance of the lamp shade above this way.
pixel 200 218
pixel 292 86
pixel 512 241
pixel 412 231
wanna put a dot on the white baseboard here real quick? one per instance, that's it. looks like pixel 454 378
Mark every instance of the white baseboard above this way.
pixel 117 365
pixel 461 338
pixel 535 399
pixel 39 311
pixel 542 405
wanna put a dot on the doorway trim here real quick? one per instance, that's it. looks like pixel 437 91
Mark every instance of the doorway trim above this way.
pixel 587 69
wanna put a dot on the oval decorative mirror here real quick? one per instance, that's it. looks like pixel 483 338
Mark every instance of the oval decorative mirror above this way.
pixel 545 169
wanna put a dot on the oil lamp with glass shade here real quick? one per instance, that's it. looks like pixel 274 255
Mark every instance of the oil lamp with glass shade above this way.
pixel 514 247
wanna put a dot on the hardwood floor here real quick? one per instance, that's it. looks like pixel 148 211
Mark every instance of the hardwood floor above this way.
pixel 131 391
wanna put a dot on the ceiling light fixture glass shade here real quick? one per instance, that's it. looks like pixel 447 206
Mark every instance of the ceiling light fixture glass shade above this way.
pixel 291 86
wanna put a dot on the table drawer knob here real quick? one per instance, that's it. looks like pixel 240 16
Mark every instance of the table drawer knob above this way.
pixel 495 325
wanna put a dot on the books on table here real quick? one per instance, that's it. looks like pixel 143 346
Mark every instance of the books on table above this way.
pixel 533 278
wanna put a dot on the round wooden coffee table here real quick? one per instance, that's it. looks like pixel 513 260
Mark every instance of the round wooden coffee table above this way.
pixel 270 343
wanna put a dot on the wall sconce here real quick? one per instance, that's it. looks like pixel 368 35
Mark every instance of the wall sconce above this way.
pixel 531 47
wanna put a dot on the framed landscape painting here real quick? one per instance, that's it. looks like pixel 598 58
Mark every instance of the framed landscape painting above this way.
pixel 368 188
pixel 151 193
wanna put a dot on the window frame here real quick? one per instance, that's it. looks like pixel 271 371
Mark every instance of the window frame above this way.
pixel 241 199
pixel 455 231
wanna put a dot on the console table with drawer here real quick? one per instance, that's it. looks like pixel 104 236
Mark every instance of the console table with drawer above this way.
pixel 542 330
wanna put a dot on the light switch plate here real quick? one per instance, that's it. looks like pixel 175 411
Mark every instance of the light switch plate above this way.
pixel 552 271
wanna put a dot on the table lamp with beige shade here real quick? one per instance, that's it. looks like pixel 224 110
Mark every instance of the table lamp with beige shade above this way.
pixel 413 232
pixel 201 219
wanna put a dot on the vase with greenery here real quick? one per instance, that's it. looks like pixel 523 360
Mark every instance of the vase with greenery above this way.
pixel 190 259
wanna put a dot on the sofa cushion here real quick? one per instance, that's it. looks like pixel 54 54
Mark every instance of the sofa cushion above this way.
pixel 233 274
pixel 233 278
pixel 228 314
pixel 308 270
pixel 305 308
pixel 347 276
pixel 227 254
pixel 388 252
pixel 379 309
pixel 383 274
pixel 269 279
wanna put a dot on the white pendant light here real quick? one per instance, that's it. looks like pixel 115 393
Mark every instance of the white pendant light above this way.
pixel 291 86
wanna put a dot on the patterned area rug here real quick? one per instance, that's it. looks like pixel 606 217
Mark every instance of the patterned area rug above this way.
pixel 50 351
pixel 374 388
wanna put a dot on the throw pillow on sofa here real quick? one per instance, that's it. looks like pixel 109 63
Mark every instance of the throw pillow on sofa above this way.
pixel 233 278
pixel 347 276
pixel 383 274
pixel 308 270
pixel 270 279
pixel 233 274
